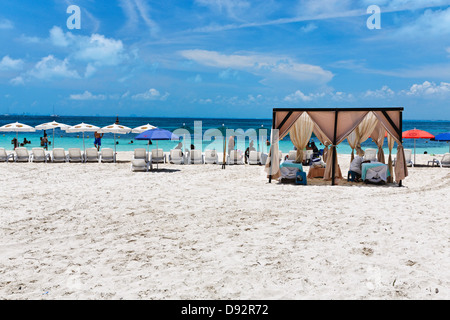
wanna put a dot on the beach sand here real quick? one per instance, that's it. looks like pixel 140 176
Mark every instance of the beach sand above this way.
pixel 100 231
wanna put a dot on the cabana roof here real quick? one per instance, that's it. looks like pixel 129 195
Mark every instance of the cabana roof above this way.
pixel 332 126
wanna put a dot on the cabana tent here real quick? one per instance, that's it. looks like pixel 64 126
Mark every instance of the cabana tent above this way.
pixel 332 126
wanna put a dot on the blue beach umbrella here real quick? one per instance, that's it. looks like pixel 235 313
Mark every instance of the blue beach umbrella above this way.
pixel 443 137
pixel 157 134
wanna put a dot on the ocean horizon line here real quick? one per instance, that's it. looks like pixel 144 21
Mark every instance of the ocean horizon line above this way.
pixel 177 117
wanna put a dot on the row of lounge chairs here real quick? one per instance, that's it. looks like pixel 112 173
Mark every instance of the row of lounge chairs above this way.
pixel 143 161
pixel 58 155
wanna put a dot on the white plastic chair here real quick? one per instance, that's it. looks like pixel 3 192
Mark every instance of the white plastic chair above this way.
pixel 4 157
pixel 158 156
pixel 211 157
pixel 370 154
pixel 39 155
pixel 140 165
pixel 444 162
pixel 235 158
pixel 22 155
pixel 140 153
pixel 176 156
pixel 307 156
pixel 75 155
pixel 254 157
pixel 196 157
pixel 140 161
pixel 408 160
pixel 107 155
pixel 92 155
pixel 292 155
pixel 59 155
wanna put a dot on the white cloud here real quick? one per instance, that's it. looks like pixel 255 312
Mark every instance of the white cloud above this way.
pixel 428 89
pixel 232 8
pixel 52 68
pixel 261 65
pixel 87 96
pixel 151 94
pixel 298 96
pixel 59 39
pixel 135 10
pixel 229 74
pixel 8 63
pixel 310 27
pixel 196 79
pixel 96 49
pixel 431 24
pixel 17 81
pixel 384 92
pixel 390 5
pixel 6 24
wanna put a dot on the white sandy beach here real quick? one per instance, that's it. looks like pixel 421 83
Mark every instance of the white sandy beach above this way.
pixel 100 231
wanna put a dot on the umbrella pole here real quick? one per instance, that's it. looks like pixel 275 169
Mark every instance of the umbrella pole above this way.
pixel 414 151
pixel 224 151
pixel 53 146
pixel 115 148
pixel 84 147
pixel 157 162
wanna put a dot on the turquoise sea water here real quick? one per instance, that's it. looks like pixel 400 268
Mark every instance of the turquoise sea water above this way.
pixel 261 127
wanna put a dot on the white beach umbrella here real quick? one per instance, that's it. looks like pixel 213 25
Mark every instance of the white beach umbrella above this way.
pixel 144 128
pixel 52 125
pixel 116 129
pixel 82 127
pixel 17 127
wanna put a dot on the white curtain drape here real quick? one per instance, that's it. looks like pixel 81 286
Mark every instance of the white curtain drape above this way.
pixel 300 134
pixel 378 135
pixel 362 132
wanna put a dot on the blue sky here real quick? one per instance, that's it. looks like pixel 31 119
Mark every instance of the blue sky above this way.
pixel 223 58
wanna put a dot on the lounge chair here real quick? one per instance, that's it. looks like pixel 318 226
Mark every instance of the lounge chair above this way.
pixel 292 155
pixel 140 153
pixel 4 157
pixel 254 157
pixel 39 155
pixel 211 156
pixel 140 165
pixel 92 155
pixel 107 155
pixel 408 154
pixel 235 158
pixel 408 160
pixel 158 156
pixel 140 161
pixel 75 155
pixel 444 162
pixel 176 156
pixel 370 154
pixel 196 157
pixel 22 155
pixel 59 155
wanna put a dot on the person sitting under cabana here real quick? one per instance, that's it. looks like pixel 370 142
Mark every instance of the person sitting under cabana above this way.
pixel 355 170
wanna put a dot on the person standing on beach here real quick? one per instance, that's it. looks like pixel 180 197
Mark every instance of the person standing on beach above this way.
pixel 98 140
pixel 230 144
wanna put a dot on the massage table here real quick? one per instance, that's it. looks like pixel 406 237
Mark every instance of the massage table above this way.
pixel 375 172
pixel 289 169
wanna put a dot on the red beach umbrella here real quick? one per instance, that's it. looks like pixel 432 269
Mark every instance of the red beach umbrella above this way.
pixel 416 134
